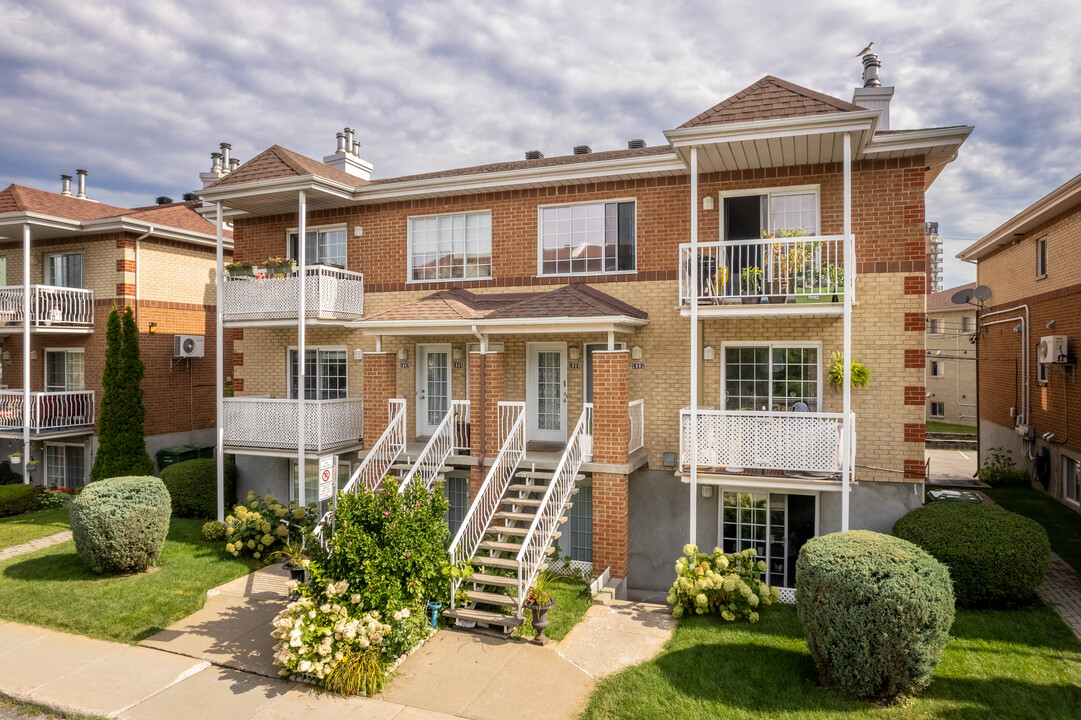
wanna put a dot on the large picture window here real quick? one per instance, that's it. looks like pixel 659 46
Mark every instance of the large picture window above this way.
pixel 65 370
pixel 64 270
pixel 450 247
pixel 326 375
pixel 774 377
pixel 321 247
pixel 592 238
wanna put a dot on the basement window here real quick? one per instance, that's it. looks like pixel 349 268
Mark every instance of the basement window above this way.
pixel 587 238
pixel 938 409
pixel 1071 479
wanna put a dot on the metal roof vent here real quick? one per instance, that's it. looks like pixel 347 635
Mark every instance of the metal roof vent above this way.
pixel 636 144
pixel 533 155
pixel 582 150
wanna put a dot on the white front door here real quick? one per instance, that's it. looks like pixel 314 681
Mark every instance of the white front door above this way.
pixel 433 386
pixel 546 391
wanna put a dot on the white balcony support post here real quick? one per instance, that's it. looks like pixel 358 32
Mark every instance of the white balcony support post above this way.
pixel 694 350
pixel 850 269
pixel 26 352
pixel 219 369
pixel 302 232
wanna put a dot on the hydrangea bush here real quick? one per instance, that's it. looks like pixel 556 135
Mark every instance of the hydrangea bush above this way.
pixel 729 584
pixel 264 525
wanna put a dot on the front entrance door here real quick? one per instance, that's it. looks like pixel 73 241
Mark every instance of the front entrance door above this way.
pixel 546 391
pixel 433 386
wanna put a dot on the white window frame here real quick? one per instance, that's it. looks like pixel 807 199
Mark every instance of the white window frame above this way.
pixel 1066 459
pixel 767 491
pixel 936 368
pixel 45 461
pixel 940 404
pixel 770 192
pixel 605 201
pixel 289 233
pixel 1041 257
pixel 317 348
pixel 45 368
pixel 409 248
pixel 47 269
pixel 816 344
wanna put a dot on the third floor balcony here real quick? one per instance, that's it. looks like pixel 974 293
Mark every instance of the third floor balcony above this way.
pixel 332 296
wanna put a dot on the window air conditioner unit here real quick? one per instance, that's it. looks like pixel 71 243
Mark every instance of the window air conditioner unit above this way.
pixel 188 346
pixel 1053 350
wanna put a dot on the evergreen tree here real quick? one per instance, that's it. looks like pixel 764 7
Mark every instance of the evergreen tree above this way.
pixel 121 441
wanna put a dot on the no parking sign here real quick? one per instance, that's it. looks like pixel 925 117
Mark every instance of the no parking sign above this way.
pixel 327 468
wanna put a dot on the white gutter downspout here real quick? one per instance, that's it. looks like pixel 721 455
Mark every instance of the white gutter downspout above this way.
pixel 850 270
pixel 482 338
pixel 1024 354
pixel 219 381
pixel 302 340
pixel 144 236
pixel 693 435
pixel 26 353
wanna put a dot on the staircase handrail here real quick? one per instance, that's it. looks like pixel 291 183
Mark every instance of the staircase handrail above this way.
pixel 488 497
pixel 435 453
pixel 546 521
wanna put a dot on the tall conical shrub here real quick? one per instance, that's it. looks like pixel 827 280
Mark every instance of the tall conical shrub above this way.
pixel 137 461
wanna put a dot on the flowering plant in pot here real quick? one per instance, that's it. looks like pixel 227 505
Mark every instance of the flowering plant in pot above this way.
pixel 539 600
pixel 280 266
pixel 240 269
pixel 16 457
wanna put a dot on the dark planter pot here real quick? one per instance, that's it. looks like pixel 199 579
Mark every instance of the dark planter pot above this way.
pixel 540 617
pixel 296 573
pixel 751 300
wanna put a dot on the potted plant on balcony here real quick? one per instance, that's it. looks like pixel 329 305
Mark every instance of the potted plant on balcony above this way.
pixel 16 457
pixel 750 284
pixel 539 601
pixel 240 269
pixel 280 266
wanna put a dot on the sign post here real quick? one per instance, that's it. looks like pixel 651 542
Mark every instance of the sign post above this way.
pixel 328 468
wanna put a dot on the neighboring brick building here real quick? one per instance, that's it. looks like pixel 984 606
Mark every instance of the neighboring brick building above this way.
pixel 1029 398
pixel 86 258
pixel 559 282
pixel 951 358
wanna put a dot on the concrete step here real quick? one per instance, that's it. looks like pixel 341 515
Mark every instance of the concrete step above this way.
pixel 527 488
pixel 407 468
pixel 497 580
pixel 491 598
pixel 517 531
pixel 499 546
pixel 507 515
pixel 541 475
pixel 484 617
pixel 505 563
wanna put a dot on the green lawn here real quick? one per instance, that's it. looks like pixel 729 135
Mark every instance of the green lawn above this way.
pixel 1024 664
pixel 1062 524
pixel 941 427
pixel 572 600
pixel 53 588
pixel 20 529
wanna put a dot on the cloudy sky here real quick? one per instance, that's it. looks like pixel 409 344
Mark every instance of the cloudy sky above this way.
pixel 140 93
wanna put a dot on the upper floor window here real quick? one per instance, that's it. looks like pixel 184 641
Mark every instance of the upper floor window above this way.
pixel 64 270
pixel 937 369
pixel 772 377
pixel 587 238
pixel 771 213
pixel 65 370
pixel 450 247
pixel 326 376
pixel 1041 257
pixel 966 323
pixel 321 247
pixel 932 326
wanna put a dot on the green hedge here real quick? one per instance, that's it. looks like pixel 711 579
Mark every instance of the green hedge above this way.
pixel 876 611
pixel 996 558
pixel 193 486
pixel 17 499
pixel 9 476
pixel 120 524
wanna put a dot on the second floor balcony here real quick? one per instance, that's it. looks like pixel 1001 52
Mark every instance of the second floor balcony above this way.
pixel 53 309
pixel 795 275
pixel 272 423
pixel 332 295
pixel 51 413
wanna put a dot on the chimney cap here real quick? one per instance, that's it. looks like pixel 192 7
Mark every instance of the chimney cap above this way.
pixel 215 154
pixel 871 64
pixel 188 196
pixel 65 177
pixel 163 200
pixel 636 144
pixel 533 155
pixel 226 146
pixel 80 172
pixel 582 150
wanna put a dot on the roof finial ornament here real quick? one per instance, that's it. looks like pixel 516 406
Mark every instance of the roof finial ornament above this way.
pixel 865 50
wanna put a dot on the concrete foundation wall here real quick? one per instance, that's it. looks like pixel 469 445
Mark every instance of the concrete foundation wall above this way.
pixel 261 475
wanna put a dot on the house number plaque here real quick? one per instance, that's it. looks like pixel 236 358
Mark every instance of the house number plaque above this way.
pixel 638 366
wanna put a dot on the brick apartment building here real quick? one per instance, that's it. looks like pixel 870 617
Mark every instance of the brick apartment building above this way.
pixel 86 257
pixel 609 329
pixel 1027 335
pixel 951 358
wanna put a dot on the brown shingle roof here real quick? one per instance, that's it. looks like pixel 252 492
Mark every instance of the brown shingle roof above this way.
pixel 769 99
pixel 941 300
pixel 278 162
pixel 575 300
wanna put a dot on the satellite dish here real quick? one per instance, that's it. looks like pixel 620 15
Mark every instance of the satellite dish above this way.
pixel 961 297
pixel 982 293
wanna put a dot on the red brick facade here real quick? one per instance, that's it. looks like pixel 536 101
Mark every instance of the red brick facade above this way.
pixel 611 513
pixel 380 385
pixel 611 423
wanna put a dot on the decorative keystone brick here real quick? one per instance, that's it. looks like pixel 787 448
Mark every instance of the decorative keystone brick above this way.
pixel 610 520
pixel 915 284
pixel 914 358
pixel 915 322
pixel 915 432
pixel 380 385
pixel 914 470
pixel 915 395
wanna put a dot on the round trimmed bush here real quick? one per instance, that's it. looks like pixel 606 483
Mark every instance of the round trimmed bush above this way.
pixel 996 558
pixel 876 611
pixel 119 525
pixel 213 531
pixel 17 499
pixel 193 486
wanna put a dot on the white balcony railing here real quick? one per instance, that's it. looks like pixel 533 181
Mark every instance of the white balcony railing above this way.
pixel 796 442
pixel 49 411
pixel 50 306
pixel 797 269
pixel 637 410
pixel 272 423
pixel 330 294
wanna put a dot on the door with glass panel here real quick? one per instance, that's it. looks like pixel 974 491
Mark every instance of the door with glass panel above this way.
pixel 776 525
pixel 546 392
pixel 65 465
pixel 433 386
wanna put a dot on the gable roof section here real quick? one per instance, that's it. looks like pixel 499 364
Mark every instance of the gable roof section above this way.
pixel 769 99
pixel 277 162
pixel 18 198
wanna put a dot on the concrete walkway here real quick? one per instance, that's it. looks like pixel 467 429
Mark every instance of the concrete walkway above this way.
pixel 949 467
pixel 616 636
pixel 47 541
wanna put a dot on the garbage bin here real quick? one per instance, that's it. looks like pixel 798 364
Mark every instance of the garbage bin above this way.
pixel 172 455
pixel 202 450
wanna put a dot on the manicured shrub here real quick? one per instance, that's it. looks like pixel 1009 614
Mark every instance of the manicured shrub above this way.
pixel 120 524
pixel 876 611
pixel 999 470
pixel 17 499
pixel 193 486
pixel 996 558
pixel 213 531
pixel 728 584
pixel 7 475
